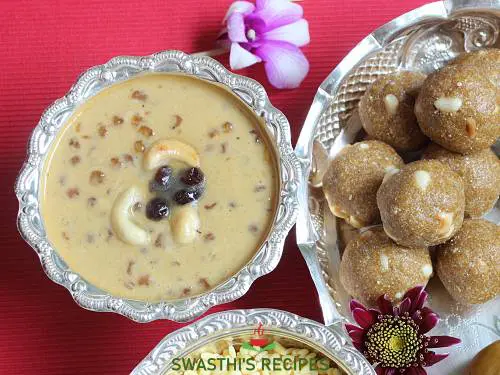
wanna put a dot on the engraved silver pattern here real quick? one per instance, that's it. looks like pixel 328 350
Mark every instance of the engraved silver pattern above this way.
pixel 425 40
pixel 30 222
pixel 332 341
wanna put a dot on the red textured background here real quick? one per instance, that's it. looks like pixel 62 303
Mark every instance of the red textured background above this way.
pixel 44 46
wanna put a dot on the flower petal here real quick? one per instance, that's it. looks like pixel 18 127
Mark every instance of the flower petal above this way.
pixel 405 305
pixel 427 323
pixel 416 371
pixel 418 296
pixel 243 7
pixel 357 336
pixel 236 28
pixel 359 346
pixel 385 305
pixel 364 318
pixel 240 58
pixel 432 358
pixel 380 370
pixel 276 13
pixel 356 305
pixel 352 327
pixel 296 33
pixel 285 64
pixel 442 341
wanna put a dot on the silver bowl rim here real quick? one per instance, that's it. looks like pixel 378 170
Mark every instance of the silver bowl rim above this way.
pixel 120 68
pixel 332 340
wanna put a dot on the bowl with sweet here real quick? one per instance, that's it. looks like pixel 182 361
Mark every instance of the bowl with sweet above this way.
pixel 159 186
pixel 404 176
pixel 256 341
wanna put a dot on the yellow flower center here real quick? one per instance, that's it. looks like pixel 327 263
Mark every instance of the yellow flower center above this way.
pixel 394 341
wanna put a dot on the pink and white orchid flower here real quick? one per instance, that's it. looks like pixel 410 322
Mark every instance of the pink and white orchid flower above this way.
pixel 270 31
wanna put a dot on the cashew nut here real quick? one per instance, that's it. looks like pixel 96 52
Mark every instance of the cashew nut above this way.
pixel 125 229
pixel 163 150
pixel 185 223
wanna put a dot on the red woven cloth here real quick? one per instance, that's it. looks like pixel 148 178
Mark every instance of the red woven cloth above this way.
pixel 44 46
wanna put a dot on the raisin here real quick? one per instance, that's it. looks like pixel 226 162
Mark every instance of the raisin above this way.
pixel 157 209
pixel 187 196
pixel 192 176
pixel 164 176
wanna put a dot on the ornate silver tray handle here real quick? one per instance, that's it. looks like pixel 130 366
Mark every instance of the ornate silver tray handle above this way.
pixel 424 39
pixel 27 188
pixel 331 341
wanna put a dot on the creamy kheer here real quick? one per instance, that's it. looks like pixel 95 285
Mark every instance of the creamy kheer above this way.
pixel 98 181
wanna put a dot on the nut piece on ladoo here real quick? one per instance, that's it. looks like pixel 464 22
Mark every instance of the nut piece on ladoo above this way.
pixel 458 108
pixel 350 184
pixel 480 173
pixel 387 110
pixel 468 264
pixel 373 265
pixel 422 204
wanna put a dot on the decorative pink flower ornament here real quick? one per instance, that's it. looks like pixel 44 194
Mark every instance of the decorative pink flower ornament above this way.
pixel 393 337
pixel 270 31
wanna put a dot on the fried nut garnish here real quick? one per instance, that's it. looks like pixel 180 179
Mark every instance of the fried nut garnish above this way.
pixel 96 177
pixel 146 131
pixel 75 160
pixel 117 120
pixel 139 95
pixel 73 192
pixel 139 146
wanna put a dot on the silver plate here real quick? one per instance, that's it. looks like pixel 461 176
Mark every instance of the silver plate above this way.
pixel 330 341
pixel 424 39
pixel 27 188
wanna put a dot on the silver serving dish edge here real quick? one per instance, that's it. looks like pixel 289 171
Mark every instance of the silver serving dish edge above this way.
pixel 423 39
pixel 331 341
pixel 30 221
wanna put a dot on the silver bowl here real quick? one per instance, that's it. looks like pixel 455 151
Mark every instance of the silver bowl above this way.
pixel 424 40
pixel 330 341
pixel 27 188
